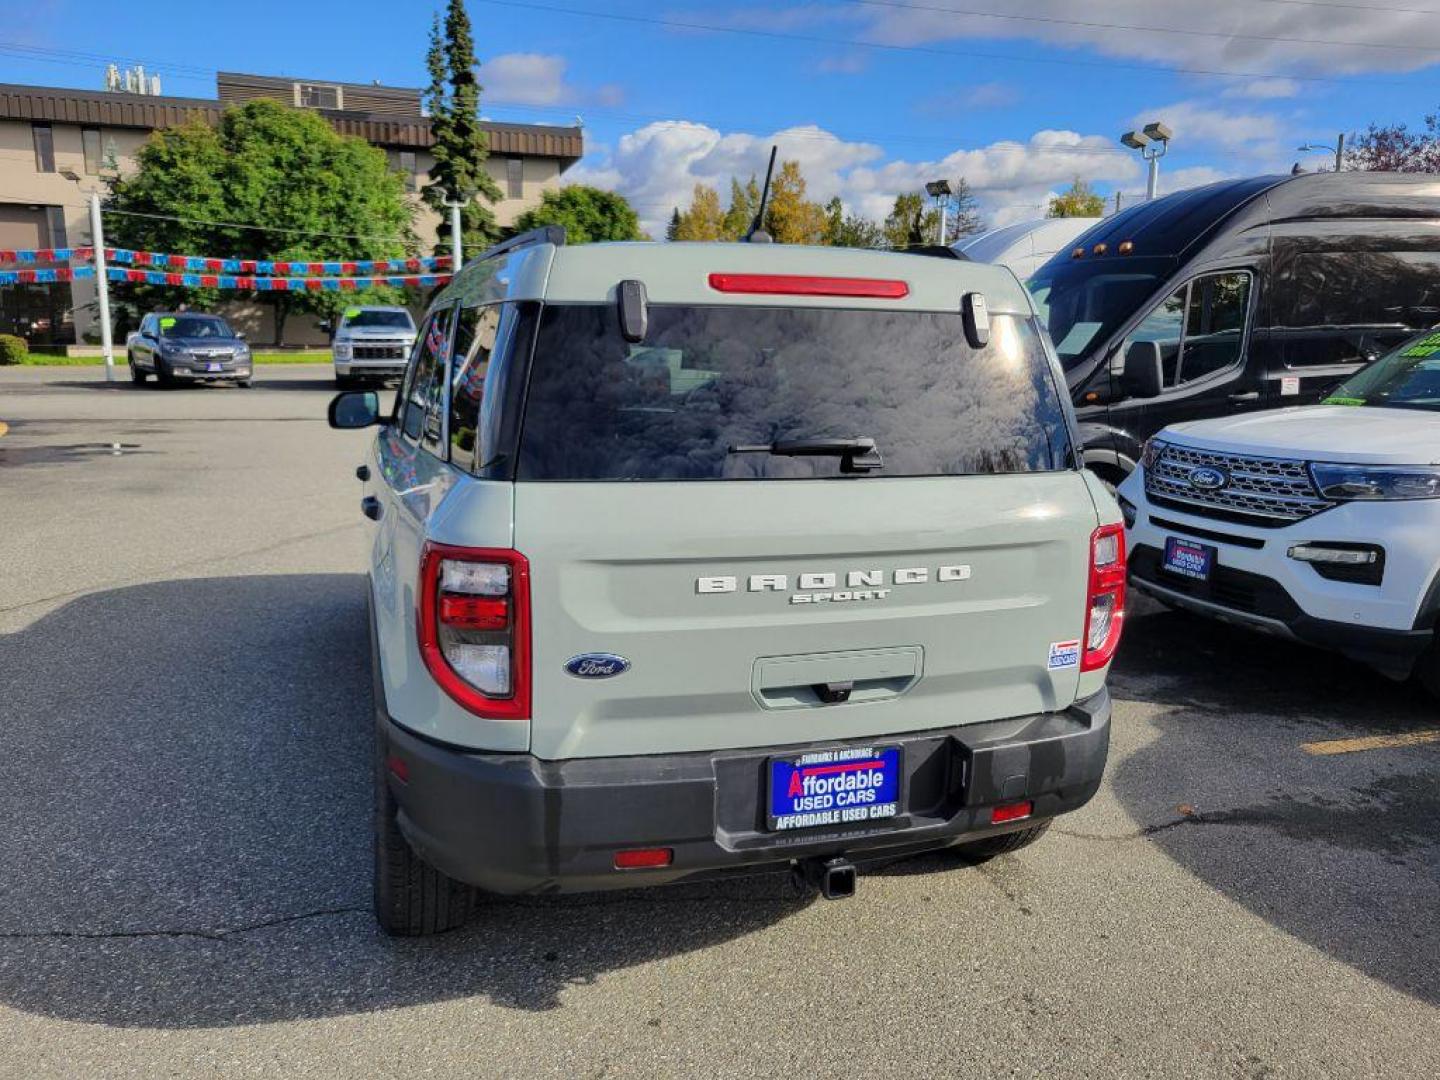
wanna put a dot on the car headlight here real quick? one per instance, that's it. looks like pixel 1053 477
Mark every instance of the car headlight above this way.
pixel 342 350
pixel 1375 482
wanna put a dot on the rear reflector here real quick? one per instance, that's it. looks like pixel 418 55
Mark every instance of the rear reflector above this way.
pixel 474 612
pixel 1015 811
pixel 398 769
pixel 643 858
pixel 804 285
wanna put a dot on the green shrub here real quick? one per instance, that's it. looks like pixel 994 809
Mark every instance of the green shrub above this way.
pixel 13 350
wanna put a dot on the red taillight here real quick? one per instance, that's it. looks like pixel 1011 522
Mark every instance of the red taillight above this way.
pixel 805 285
pixel 644 858
pixel 1105 599
pixel 473 626
pixel 1015 811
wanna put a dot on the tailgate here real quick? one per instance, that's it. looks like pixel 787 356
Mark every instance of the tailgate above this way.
pixel 782 612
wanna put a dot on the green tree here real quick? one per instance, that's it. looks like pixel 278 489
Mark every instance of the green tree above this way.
pixel 308 192
pixel 850 230
pixel 964 213
pixel 912 222
pixel 744 201
pixel 790 218
pixel 702 221
pixel 1079 200
pixel 672 230
pixel 588 214
pixel 461 145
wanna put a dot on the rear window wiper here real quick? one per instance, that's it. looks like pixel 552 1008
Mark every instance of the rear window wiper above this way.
pixel 856 455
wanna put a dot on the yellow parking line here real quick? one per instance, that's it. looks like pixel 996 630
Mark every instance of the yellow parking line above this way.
pixel 1371 742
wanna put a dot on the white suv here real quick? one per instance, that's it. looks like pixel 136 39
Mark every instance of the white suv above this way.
pixel 1320 523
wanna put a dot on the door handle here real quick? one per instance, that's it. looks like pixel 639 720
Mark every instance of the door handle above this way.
pixel 1253 395
pixel 370 507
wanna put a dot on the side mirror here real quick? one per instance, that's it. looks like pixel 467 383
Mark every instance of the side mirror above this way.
pixel 239 335
pixel 326 325
pixel 357 409
pixel 1144 369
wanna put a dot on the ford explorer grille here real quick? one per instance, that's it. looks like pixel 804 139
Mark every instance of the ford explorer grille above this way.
pixel 1258 490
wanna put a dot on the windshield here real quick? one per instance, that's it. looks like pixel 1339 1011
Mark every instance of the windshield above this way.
pixel 393 320
pixel 726 393
pixel 1082 307
pixel 196 326
pixel 1408 378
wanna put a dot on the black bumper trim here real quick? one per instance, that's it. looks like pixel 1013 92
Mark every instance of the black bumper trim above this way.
pixel 512 823
pixel 1264 603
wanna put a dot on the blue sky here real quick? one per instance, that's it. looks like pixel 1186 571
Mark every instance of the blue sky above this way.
pixel 873 97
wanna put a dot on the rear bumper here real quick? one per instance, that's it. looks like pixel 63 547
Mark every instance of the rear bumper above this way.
pixel 512 823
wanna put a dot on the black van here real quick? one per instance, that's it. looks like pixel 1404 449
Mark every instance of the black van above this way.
pixel 1239 295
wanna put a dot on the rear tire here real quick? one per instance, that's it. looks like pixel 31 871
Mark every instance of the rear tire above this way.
pixel 984 850
pixel 412 898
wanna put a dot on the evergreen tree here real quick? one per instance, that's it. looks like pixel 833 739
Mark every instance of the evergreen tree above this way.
pixel 744 201
pixel 461 145
pixel 672 231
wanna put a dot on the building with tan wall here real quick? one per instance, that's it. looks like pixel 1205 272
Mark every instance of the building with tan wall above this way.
pixel 57 146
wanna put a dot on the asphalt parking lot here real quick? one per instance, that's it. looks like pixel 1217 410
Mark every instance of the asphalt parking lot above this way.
pixel 184 878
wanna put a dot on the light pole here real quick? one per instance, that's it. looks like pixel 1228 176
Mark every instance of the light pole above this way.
pixel 1338 149
pixel 102 284
pixel 456 250
pixel 939 190
pixel 1152 142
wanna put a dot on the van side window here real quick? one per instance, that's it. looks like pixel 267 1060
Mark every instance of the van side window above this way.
pixel 423 417
pixel 1337 309
pixel 475 334
pixel 1200 328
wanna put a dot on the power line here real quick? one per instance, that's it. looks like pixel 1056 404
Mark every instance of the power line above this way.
pixel 257 228
pixel 930 50
pixel 1352 7
pixel 1089 25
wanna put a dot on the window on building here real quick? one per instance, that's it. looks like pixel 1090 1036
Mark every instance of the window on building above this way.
pixel 407 166
pixel 514 178
pixel 55 223
pixel 94 151
pixel 44 147
pixel 314 96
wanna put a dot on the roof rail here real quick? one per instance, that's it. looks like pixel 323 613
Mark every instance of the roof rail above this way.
pixel 546 234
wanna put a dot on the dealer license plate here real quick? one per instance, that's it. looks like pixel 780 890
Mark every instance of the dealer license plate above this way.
pixel 834 787
pixel 1188 559
pixel 214 367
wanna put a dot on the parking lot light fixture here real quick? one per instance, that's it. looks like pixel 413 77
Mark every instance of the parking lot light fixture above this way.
pixel 1338 150
pixel 940 191
pixel 1152 141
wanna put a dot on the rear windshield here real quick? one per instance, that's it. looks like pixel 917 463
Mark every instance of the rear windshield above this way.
pixel 709 381
pixel 397 320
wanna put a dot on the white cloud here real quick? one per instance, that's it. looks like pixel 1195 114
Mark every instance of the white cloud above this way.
pixel 1263 89
pixel 657 167
pixel 1226 35
pixel 539 79
pixel 1257 135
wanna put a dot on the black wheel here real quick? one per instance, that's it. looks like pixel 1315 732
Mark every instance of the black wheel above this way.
pixel 162 374
pixel 136 375
pixel 412 898
pixel 344 382
pixel 981 850
pixel 244 384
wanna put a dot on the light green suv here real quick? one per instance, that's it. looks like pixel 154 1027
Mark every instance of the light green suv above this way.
pixel 695 559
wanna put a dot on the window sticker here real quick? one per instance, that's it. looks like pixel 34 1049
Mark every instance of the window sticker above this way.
pixel 351 312
pixel 1343 401
pixel 1425 347
pixel 167 322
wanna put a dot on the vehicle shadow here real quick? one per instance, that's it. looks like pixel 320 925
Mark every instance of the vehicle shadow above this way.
pixel 1339 850
pixel 186 787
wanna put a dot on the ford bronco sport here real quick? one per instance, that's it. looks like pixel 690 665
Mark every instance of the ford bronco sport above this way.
pixel 693 559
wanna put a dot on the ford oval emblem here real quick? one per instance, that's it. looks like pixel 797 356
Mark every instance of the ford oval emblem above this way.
pixel 597 665
pixel 1207 479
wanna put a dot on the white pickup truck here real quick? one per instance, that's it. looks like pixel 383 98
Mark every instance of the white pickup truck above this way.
pixel 371 342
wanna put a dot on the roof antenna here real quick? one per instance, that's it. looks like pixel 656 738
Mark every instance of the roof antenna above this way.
pixel 757 233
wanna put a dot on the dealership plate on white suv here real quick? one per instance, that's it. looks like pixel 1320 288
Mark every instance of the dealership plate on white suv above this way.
pixel 834 787
pixel 1189 559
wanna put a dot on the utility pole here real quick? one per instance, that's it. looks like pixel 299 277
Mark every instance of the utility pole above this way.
pixel 1340 152
pixel 456 248
pixel 102 286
